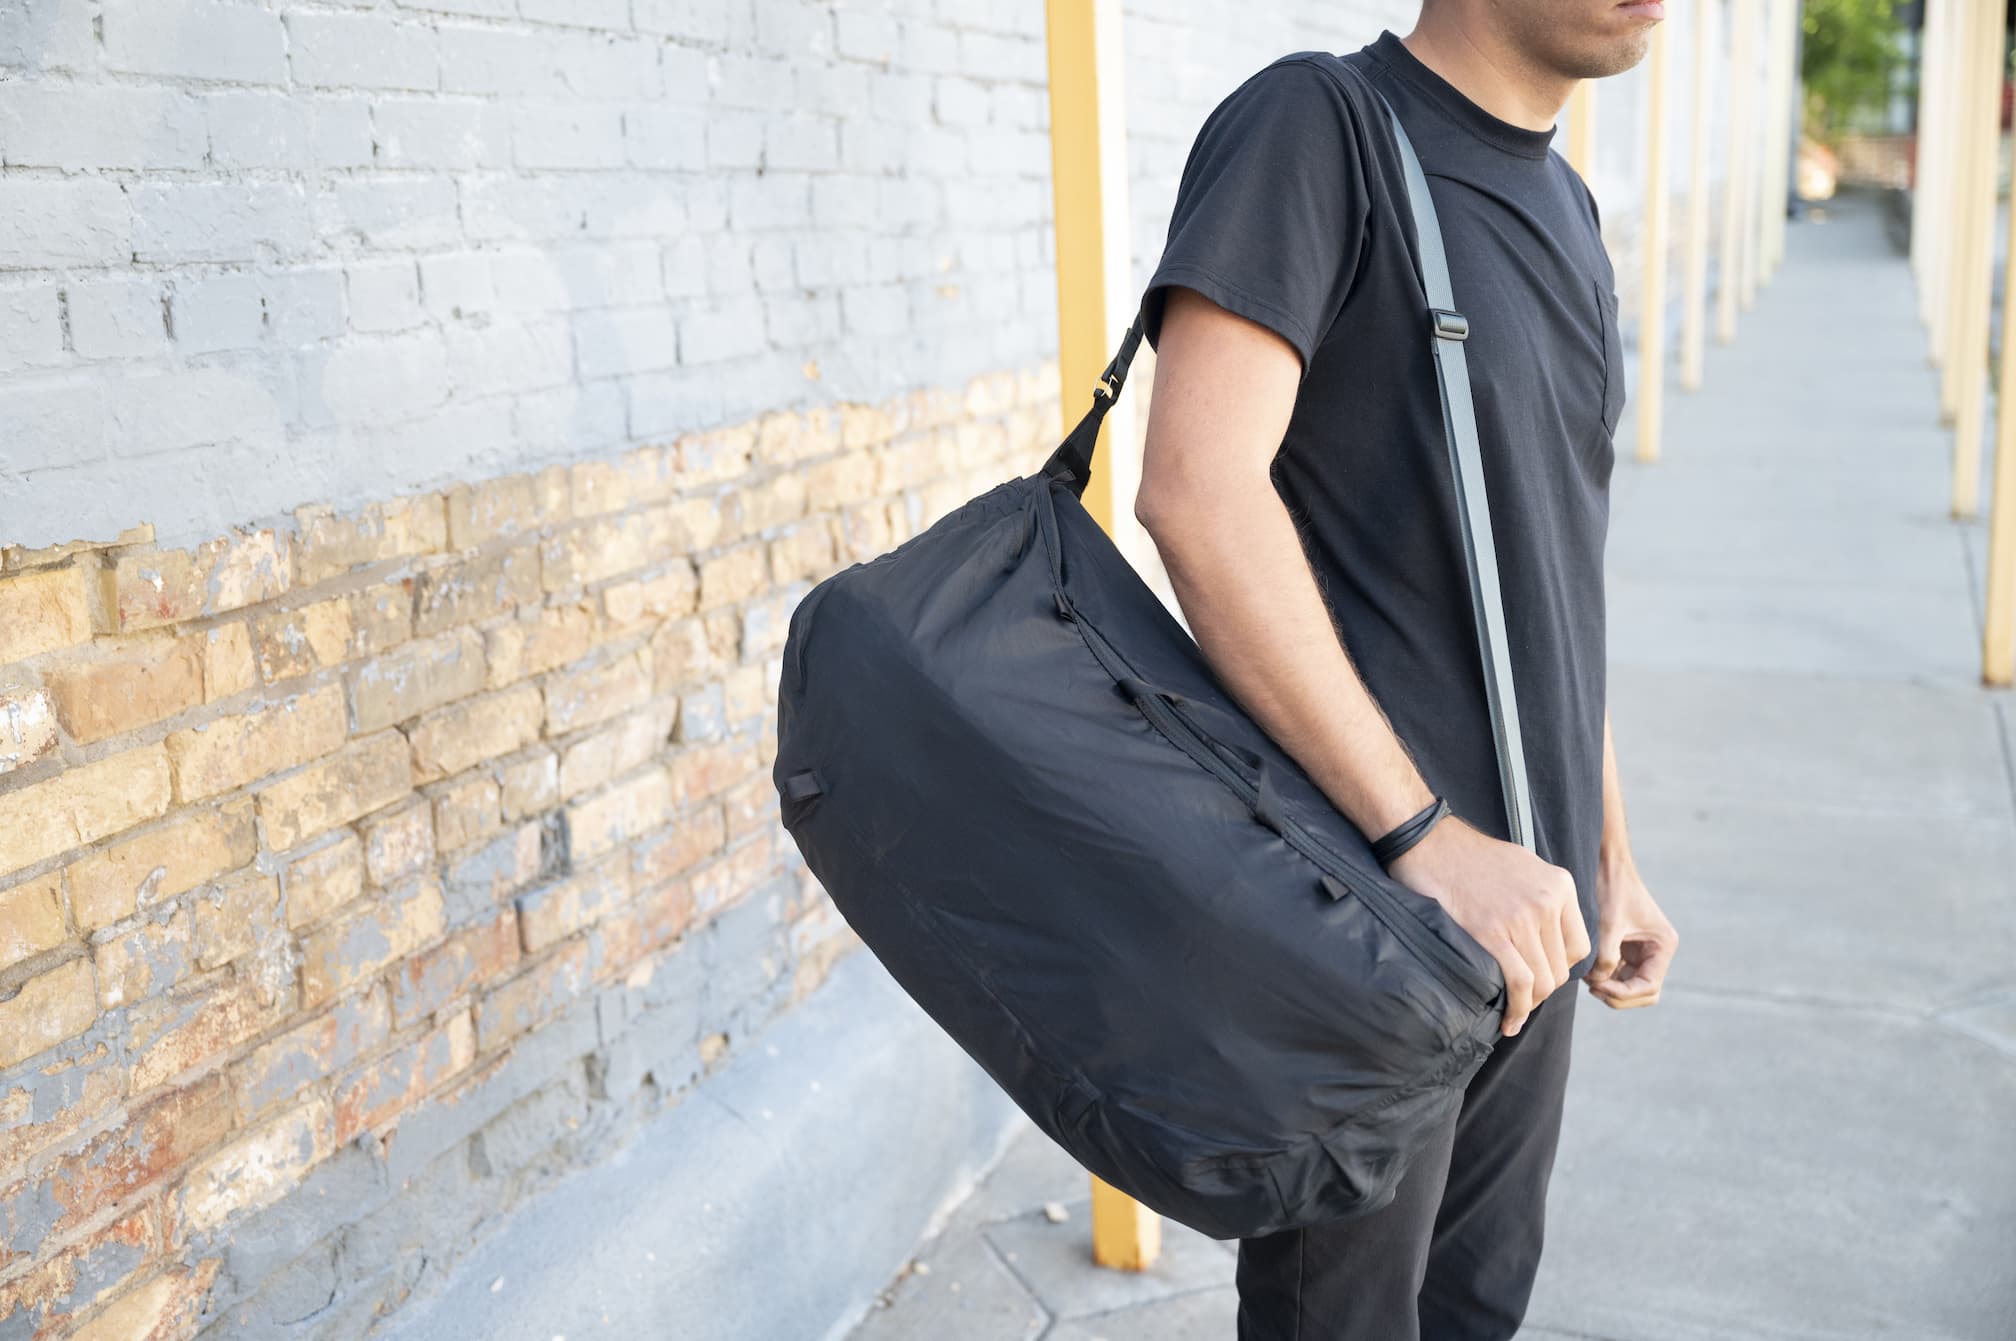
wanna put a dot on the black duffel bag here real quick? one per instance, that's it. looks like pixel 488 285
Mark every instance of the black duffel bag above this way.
pixel 1023 787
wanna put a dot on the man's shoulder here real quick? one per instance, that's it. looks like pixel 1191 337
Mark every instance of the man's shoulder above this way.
pixel 1325 76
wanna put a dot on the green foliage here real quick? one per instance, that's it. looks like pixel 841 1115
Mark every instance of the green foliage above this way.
pixel 1851 60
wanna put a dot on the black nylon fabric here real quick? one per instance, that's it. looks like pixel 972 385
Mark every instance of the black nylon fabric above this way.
pixel 1023 787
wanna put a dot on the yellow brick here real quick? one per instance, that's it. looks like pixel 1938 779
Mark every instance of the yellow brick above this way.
pixel 258 1168
pixel 750 691
pixel 308 1051
pixel 169 1036
pixel 399 843
pixel 496 868
pixel 733 576
pixel 865 532
pixel 328 545
pixel 156 587
pixel 908 461
pixel 144 959
pixel 553 912
pixel 864 426
pixel 609 819
pixel 453 738
pixel 680 654
pixel 766 622
pixel 27 726
pixel 465 811
pixel 82 805
pixel 364 776
pixel 641 476
pixel 233 751
pixel 409 680
pixel 150 868
pixel 135 682
pixel 295 642
pixel 324 881
pixel 617 748
pixel 472 590
pixel 780 436
pixel 14 557
pixel 233 915
pixel 709 769
pixel 805 551
pixel 523 1002
pixel 529 785
pixel 717 454
pixel 590 694
pixel 381 617
pixel 379 1092
pixel 42 611
pixel 665 856
pixel 594 550
pixel 227 661
pixel 165 1306
pixel 840 480
pixel 31 919
pixel 339 956
pixel 49 1008
pixel 482 512
pixel 669 594
pixel 553 637
pixel 684 526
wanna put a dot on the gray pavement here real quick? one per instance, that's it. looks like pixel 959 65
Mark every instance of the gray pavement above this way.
pixel 1813 1136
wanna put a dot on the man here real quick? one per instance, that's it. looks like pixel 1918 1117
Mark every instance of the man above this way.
pixel 1297 484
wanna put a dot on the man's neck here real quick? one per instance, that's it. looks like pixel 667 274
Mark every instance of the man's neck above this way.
pixel 1487 71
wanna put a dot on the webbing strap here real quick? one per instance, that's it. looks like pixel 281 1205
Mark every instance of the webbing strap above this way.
pixel 1446 332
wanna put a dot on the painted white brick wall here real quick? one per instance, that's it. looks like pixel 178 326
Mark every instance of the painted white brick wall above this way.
pixel 260 253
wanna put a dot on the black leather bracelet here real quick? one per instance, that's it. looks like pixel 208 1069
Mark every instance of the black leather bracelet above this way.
pixel 1408 832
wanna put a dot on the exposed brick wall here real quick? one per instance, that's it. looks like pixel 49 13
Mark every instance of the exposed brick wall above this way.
pixel 315 833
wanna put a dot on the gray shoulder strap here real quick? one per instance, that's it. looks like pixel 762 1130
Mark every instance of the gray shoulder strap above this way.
pixel 1446 332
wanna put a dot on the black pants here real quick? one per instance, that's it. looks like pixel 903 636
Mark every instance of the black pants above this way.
pixel 1452 1258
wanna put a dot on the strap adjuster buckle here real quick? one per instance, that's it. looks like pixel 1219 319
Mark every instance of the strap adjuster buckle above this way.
pixel 1449 325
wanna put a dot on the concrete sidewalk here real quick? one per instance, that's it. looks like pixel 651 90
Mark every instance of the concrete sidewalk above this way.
pixel 1814 1134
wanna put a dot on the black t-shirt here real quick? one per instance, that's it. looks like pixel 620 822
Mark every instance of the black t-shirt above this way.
pixel 1292 212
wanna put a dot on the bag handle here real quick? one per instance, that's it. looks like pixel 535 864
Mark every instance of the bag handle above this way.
pixel 1071 465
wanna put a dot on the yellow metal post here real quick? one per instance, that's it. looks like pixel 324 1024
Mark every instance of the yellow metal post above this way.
pixel 1777 122
pixel 1087 171
pixel 1729 258
pixel 1582 129
pixel 1652 307
pixel 1757 20
pixel 1694 282
pixel 1998 639
pixel 1924 149
pixel 1094 303
pixel 1937 143
pixel 1974 202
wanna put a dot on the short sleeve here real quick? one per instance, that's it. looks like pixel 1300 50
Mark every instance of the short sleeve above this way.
pixel 1271 211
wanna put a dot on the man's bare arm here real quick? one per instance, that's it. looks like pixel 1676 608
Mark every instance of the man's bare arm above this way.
pixel 1635 941
pixel 1224 390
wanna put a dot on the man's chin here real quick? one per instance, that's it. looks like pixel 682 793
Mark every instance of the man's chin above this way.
pixel 1615 56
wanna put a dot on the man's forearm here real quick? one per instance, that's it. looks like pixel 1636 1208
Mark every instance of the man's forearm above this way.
pixel 1615 851
pixel 1239 571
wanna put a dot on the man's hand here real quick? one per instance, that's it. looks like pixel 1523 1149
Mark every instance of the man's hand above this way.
pixel 1520 908
pixel 1634 941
